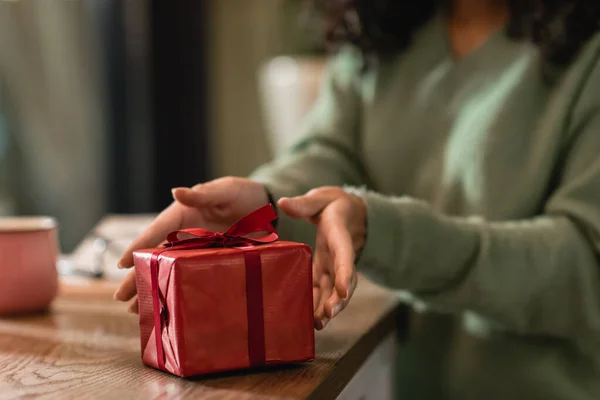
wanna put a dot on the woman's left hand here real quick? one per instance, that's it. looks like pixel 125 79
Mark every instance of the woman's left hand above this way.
pixel 340 219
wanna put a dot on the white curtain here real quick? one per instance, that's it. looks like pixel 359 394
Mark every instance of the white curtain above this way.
pixel 244 34
pixel 52 102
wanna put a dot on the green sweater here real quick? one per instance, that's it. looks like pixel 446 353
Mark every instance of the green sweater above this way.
pixel 483 209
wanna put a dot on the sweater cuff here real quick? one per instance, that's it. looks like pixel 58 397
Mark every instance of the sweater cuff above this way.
pixel 382 257
pixel 381 232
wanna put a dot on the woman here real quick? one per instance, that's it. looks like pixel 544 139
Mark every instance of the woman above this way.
pixel 456 148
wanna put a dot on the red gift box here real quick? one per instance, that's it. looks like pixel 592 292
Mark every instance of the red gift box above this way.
pixel 211 302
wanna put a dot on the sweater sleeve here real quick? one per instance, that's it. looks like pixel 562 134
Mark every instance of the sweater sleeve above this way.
pixel 538 276
pixel 327 152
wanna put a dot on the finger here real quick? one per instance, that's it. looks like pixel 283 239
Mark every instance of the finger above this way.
pixel 340 246
pixel 320 266
pixel 309 205
pixel 128 289
pixel 321 259
pixel 335 304
pixel 316 298
pixel 326 289
pixel 353 285
pixel 317 272
pixel 134 307
pixel 209 194
pixel 167 221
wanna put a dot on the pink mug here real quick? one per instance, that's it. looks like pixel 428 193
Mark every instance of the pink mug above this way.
pixel 28 255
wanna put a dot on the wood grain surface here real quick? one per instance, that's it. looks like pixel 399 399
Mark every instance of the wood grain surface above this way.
pixel 87 347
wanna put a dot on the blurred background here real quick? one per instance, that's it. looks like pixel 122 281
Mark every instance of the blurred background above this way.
pixel 105 105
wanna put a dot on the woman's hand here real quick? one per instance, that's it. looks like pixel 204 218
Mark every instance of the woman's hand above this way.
pixel 341 229
pixel 214 205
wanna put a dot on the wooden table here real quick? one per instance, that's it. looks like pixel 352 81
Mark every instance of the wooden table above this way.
pixel 87 347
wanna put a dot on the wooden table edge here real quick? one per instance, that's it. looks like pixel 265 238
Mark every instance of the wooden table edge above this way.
pixel 351 362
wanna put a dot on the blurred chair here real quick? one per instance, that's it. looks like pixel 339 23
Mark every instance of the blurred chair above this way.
pixel 288 88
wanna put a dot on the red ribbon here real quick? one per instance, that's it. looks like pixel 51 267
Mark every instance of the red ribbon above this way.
pixel 259 221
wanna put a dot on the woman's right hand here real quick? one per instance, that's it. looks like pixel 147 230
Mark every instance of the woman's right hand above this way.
pixel 215 205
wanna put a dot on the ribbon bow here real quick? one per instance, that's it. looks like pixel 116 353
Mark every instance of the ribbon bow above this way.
pixel 259 221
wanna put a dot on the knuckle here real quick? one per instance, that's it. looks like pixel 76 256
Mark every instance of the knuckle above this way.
pixel 321 246
pixel 322 190
pixel 314 191
pixel 338 190
pixel 345 201
pixel 343 206
pixel 332 190
pixel 228 180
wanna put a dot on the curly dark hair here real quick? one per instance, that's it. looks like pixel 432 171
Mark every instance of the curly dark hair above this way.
pixel 382 28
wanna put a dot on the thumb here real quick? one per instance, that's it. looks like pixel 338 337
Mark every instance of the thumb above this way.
pixel 306 207
pixel 187 196
pixel 203 195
